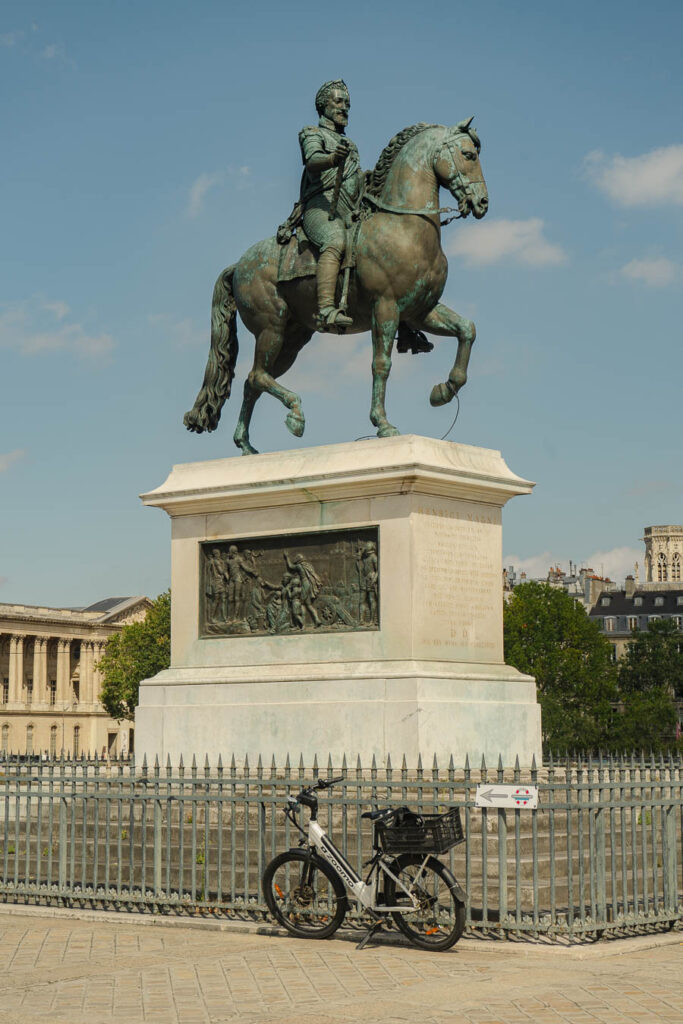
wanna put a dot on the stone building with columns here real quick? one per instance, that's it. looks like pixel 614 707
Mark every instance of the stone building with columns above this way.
pixel 50 685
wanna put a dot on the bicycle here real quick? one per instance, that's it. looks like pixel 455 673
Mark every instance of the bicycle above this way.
pixel 306 887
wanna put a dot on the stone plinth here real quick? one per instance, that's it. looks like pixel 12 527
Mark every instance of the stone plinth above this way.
pixel 431 679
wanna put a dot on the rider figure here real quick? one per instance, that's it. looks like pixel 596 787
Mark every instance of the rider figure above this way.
pixel 324 149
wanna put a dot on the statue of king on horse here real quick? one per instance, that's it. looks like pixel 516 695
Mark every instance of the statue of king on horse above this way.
pixel 357 253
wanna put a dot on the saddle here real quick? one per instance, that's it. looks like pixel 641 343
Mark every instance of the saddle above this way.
pixel 299 258
pixel 298 255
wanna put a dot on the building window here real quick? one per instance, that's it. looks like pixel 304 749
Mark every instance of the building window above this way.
pixel 659 602
pixel 53 741
pixel 5 690
pixel 29 739
pixel 609 625
pixel 653 618
pixel 604 601
pixel 678 619
pixel 29 691
pixel 633 623
pixel 53 692
pixel 613 652
pixel 76 691
pixel 77 741
pixel 676 566
pixel 5 738
pixel 679 599
pixel 662 573
pixel 638 601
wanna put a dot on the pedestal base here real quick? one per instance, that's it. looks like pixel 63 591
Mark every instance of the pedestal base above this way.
pixel 330 711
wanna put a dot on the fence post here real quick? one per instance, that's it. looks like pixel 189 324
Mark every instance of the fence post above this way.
pixel 502 856
pixel 600 852
pixel 63 811
pixel 157 881
pixel 669 846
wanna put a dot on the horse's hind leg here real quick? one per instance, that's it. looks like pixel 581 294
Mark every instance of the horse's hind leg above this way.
pixel 276 350
pixel 448 323
pixel 241 435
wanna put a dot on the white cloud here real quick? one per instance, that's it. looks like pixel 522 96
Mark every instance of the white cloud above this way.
pixel 617 563
pixel 11 38
pixel 657 273
pixel 181 332
pixel 25 328
pixel 521 241
pixel 198 192
pixel 239 178
pixel 10 457
pixel 59 308
pixel 647 180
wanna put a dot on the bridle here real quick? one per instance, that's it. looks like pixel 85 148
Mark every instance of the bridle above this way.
pixel 457 184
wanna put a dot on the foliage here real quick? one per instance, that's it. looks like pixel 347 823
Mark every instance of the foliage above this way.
pixel 650 679
pixel 549 636
pixel 139 651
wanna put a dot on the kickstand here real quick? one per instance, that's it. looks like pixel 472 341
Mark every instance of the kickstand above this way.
pixel 369 934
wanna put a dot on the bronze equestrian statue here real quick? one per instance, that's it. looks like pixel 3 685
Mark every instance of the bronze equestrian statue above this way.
pixel 386 227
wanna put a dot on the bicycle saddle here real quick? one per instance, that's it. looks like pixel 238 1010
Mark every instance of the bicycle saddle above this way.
pixel 379 815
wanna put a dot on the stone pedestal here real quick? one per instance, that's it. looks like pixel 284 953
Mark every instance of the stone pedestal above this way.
pixel 428 678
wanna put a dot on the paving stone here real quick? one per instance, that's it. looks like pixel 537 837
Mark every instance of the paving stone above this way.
pixel 99 971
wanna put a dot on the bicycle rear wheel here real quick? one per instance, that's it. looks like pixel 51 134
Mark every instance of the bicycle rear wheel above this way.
pixel 439 921
pixel 304 894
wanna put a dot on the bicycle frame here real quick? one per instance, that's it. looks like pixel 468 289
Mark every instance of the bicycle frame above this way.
pixel 364 892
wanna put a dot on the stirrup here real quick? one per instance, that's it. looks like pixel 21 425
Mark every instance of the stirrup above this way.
pixel 331 318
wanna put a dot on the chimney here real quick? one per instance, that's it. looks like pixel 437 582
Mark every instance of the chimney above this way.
pixel 630 586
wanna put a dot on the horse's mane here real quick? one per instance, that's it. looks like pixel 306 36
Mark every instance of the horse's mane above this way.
pixel 377 177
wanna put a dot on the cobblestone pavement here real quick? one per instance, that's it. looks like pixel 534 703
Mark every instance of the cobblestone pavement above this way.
pixel 97 970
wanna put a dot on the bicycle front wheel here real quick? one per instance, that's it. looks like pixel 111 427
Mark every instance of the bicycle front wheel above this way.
pixel 439 919
pixel 304 894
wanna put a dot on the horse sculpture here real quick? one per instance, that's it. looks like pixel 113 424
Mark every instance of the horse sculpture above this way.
pixel 399 276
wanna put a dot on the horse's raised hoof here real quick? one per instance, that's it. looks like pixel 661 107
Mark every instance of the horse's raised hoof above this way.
pixel 441 394
pixel 295 423
pixel 388 431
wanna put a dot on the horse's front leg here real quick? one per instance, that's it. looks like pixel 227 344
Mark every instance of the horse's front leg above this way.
pixel 448 323
pixel 384 326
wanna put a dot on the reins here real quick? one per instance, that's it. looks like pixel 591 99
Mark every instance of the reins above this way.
pixel 461 187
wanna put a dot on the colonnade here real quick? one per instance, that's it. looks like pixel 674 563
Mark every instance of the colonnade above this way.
pixel 30 658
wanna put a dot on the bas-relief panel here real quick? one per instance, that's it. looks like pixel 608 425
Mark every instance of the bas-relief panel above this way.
pixel 460 577
pixel 300 583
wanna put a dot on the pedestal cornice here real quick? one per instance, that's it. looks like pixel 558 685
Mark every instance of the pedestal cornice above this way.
pixel 399 465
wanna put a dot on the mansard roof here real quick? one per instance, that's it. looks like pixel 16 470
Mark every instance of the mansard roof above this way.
pixel 620 604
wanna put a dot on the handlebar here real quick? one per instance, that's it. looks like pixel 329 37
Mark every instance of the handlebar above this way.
pixel 307 796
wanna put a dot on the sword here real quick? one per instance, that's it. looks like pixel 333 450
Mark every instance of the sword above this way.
pixel 337 189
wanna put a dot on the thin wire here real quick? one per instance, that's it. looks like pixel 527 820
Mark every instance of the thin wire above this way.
pixel 371 437
pixel 457 413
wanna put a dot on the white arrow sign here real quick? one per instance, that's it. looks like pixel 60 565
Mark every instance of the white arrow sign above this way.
pixel 495 794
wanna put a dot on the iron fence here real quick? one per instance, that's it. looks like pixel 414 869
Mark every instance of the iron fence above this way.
pixel 603 852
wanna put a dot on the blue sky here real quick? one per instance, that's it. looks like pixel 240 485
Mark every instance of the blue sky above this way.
pixel 146 145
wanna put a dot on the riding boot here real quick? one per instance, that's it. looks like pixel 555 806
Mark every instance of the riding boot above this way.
pixel 328 271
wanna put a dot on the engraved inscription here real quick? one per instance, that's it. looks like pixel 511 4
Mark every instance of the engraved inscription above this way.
pixel 301 583
pixel 460 579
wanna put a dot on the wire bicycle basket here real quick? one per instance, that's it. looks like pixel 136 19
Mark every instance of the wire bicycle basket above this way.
pixel 421 833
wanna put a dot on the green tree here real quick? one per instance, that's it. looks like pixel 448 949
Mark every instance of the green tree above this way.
pixel 650 680
pixel 139 651
pixel 549 636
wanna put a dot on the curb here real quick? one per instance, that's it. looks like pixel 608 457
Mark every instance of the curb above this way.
pixel 595 950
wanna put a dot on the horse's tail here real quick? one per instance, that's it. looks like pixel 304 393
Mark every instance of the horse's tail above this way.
pixel 220 366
